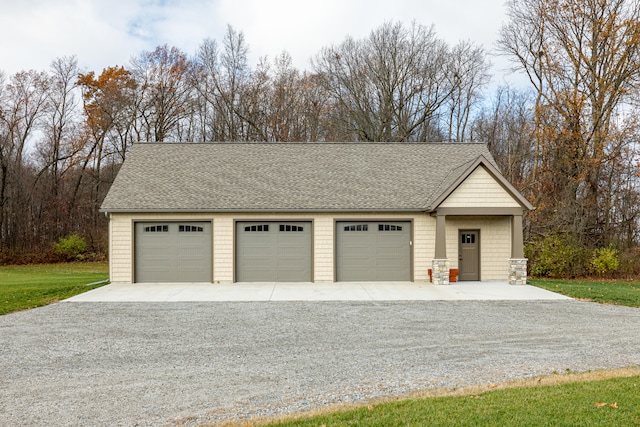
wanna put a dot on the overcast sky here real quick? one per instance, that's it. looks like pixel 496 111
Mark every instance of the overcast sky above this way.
pixel 104 33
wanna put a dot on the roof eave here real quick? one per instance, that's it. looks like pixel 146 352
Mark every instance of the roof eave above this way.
pixel 248 210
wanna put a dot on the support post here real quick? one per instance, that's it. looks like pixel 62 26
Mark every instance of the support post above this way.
pixel 440 261
pixel 517 263
pixel 517 241
pixel 441 237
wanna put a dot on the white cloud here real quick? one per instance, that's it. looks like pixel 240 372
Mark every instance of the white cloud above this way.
pixel 105 33
pixel 304 27
pixel 41 31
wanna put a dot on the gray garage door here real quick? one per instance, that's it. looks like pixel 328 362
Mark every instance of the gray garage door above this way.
pixel 373 251
pixel 173 252
pixel 273 251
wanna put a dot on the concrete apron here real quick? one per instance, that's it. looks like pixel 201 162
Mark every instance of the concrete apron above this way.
pixel 342 291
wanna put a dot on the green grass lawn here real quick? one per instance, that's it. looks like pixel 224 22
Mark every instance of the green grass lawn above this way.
pixel 29 286
pixel 610 402
pixel 602 291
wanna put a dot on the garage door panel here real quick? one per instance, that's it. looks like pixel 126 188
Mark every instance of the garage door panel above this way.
pixel 190 275
pixel 392 275
pixel 388 241
pixel 281 252
pixel 173 252
pixel 156 252
pixel 293 251
pixel 256 251
pixel 289 275
pixel 388 262
pixel 373 251
pixel 260 263
pixel 188 263
pixel 190 252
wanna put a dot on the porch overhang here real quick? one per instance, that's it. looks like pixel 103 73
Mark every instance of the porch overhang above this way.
pixel 517 240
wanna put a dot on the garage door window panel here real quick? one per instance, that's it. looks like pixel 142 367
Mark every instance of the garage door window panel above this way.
pixel 288 227
pixel 389 227
pixel 357 227
pixel 157 229
pixel 190 229
pixel 261 228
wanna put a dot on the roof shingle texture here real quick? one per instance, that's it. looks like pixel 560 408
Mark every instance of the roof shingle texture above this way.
pixel 288 176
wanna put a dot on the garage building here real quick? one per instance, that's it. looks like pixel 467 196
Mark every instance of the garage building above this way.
pixel 313 212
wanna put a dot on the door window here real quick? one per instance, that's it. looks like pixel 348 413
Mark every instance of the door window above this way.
pixel 468 238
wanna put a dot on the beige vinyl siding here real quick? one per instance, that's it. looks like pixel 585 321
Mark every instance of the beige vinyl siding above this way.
pixel 323 249
pixel 495 238
pixel 223 246
pixel 121 250
pixel 495 243
pixel 424 246
pixel 480 189
pixel 223 249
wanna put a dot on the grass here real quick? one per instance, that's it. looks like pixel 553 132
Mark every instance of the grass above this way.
pixel 605 292
pixel 29 286
pixel 560 400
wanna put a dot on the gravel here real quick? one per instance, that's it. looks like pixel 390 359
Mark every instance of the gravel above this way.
pixel 139 364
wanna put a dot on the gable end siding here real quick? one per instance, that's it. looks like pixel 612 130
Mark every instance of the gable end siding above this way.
pixel 480 189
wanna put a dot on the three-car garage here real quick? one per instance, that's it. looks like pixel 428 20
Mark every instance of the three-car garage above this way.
pixel 272 251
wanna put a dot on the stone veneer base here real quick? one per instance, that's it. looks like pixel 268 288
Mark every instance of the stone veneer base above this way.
pixel 518 271
pixel 440 271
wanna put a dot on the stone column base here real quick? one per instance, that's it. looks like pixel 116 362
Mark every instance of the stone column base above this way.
pixel 518 271
pixel 440 271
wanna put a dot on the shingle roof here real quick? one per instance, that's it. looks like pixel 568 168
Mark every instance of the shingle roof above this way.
pixel 288 176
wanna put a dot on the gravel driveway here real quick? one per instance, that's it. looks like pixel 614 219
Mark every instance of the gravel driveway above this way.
pixel 162 363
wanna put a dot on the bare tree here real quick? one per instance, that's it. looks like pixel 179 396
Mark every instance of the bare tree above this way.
pixel 22 105
pixel 163 78
pixel 583 60
pixel 388 86
pixel 224 78
pixel 286 106
pixel 506 125
pixel 470 74
pixel 56 152
pixel 61 119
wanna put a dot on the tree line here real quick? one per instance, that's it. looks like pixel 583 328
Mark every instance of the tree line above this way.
pixel 568 141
